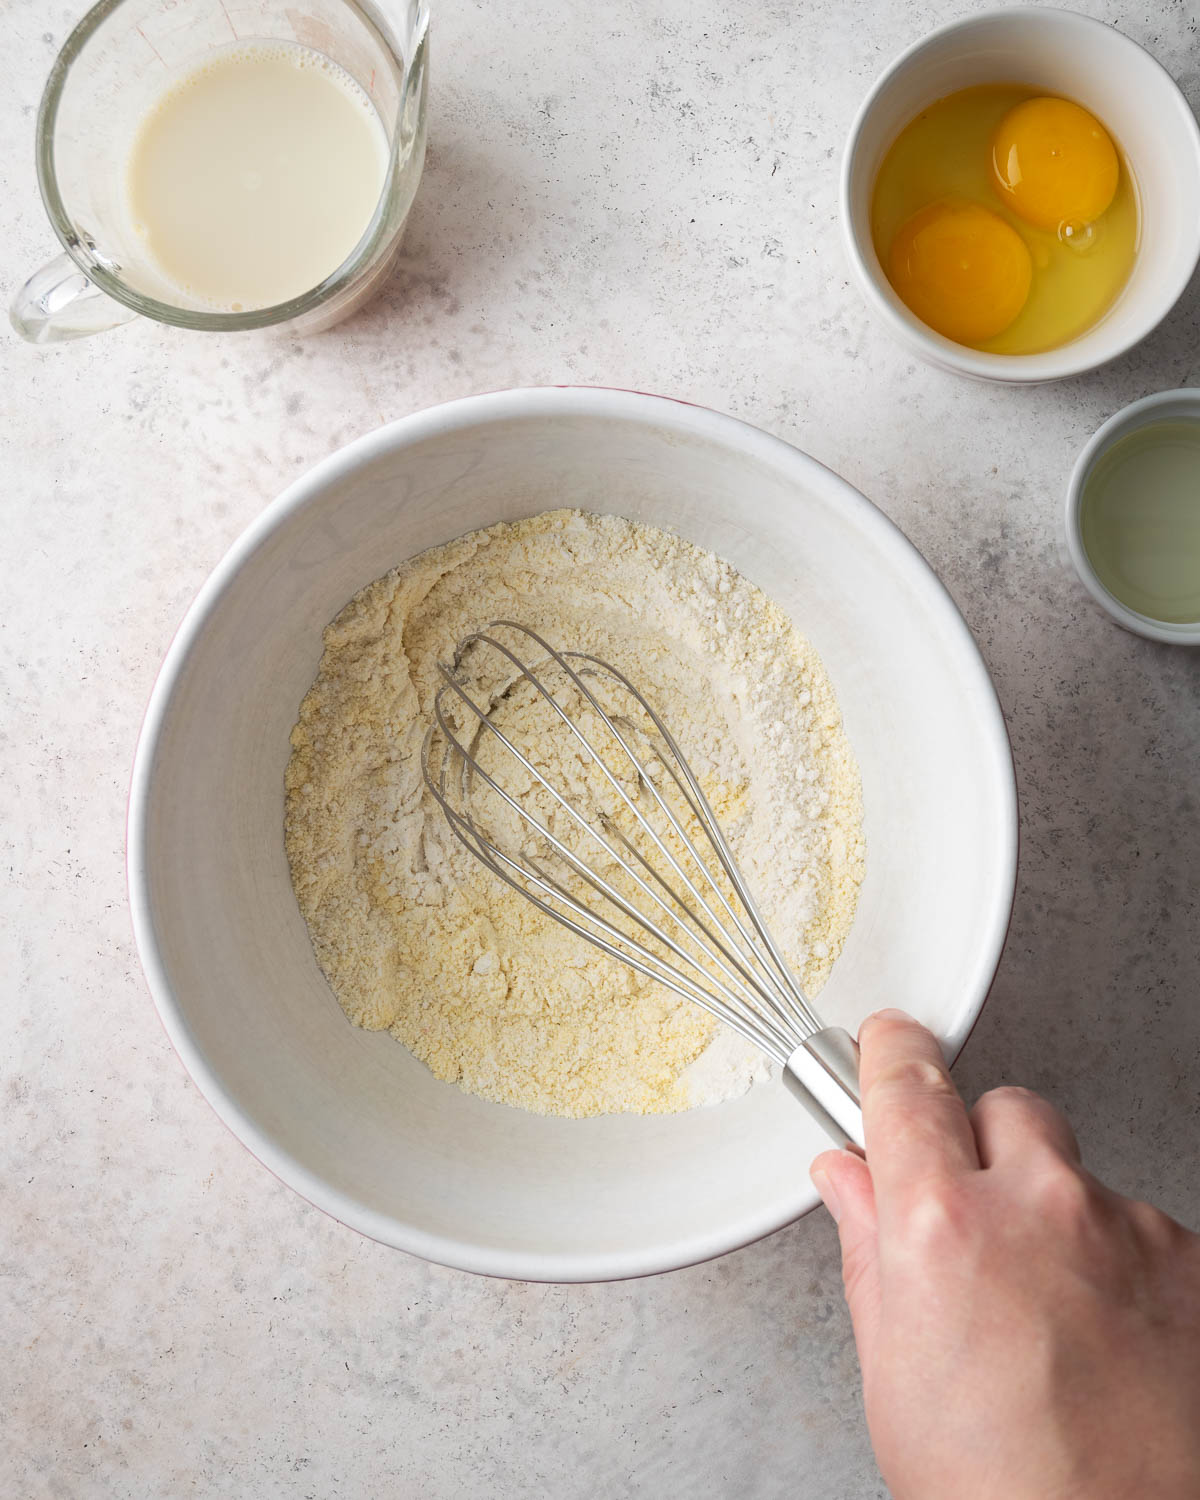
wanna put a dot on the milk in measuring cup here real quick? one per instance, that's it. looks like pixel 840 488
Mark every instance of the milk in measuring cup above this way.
pixel 253 176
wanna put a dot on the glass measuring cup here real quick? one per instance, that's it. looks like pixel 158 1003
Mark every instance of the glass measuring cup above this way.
pixel 114 65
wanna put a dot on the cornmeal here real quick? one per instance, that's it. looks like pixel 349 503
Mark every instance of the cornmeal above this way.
pixel 417 938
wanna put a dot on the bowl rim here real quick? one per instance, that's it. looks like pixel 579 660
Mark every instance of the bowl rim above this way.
pixel 906 327
pixel 440 420
pixel 1128 419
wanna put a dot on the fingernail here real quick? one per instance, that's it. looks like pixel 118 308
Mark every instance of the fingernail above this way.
pixel 890 1014
pixel 824 1185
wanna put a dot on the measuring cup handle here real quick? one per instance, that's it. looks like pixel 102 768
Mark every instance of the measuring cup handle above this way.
pixel 59 302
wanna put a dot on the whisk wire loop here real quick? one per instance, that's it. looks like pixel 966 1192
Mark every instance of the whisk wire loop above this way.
pixel 487 850
pixel 786 998
pixel 701 808
pixel 736 964
pixel 631 952
pixel 662 908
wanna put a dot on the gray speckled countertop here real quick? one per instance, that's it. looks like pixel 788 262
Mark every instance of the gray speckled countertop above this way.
pixel 627 195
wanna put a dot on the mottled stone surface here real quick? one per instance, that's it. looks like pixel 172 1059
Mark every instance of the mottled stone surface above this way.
pixel 626 194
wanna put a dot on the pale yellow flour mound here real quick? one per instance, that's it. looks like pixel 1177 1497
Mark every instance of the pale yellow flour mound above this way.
pixel 416 937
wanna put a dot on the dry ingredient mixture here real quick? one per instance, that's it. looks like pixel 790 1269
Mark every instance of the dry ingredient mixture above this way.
pixel 417 938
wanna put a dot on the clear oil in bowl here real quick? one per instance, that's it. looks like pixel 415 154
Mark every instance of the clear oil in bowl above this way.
pixel 1139 521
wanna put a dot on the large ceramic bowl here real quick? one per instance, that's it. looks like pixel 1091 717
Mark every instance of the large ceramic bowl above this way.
pixel 349 1118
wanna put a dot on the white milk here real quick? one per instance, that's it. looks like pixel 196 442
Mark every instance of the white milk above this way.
pixel 254 176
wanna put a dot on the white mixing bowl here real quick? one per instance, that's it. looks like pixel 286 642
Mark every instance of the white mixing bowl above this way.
pixel 349 1118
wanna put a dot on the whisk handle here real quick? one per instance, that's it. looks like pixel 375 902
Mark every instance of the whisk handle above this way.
pixel 823 1075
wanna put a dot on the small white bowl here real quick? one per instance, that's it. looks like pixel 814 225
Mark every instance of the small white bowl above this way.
pixel 350 1118
pixel 1166 406
pixel 1061 53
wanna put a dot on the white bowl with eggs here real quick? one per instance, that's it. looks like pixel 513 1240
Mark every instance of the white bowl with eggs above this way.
pixel 348 1117
pixel 1055 52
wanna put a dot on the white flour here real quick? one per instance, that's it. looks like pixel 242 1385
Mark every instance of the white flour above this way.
pixel 416 937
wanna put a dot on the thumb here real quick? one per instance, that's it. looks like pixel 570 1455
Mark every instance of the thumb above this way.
pixel 844 1182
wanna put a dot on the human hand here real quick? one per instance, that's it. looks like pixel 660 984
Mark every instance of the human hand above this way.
pixel 1024 1333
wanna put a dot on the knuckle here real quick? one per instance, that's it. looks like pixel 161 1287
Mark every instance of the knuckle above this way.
pixel 1028 1117
pixel 935 1220
pixel 1065 1197
pixel 914 1075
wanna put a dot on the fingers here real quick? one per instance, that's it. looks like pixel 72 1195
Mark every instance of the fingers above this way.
pixel 1013 1126
pixel 917 1127
pixel 844 1182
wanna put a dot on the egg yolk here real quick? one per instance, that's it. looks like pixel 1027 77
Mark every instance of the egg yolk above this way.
pixel 1054 164
pixel 961 269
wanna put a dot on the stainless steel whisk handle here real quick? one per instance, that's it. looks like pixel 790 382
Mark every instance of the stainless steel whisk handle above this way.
pixel 823 1074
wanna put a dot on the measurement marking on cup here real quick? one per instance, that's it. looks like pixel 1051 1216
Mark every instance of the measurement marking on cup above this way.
pixel 150 44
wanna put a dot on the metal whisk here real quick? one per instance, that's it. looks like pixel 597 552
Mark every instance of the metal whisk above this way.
pixel 555 772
